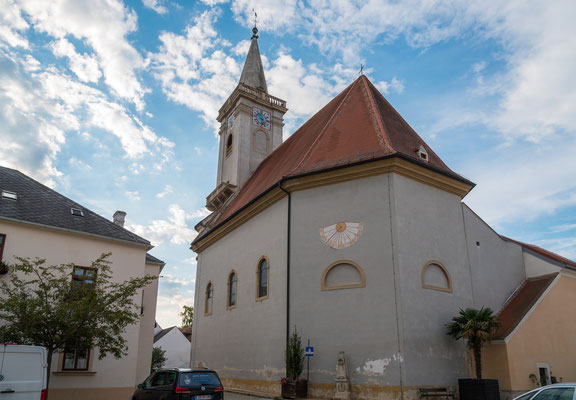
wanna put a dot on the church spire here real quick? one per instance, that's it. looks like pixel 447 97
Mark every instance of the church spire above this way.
pixel 253 72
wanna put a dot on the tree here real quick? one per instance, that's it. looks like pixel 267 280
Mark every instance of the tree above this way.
pixel 42 305
pixel 477 327
pixel 187 315
pixel 294 357
pixel 158 358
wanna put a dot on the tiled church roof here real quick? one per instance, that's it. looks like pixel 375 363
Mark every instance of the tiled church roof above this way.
pixel 357 126
pixel 521 302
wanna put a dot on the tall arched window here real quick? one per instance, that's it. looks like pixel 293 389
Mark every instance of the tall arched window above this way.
pixel 208 299
pixel 262 275
pixel 232 289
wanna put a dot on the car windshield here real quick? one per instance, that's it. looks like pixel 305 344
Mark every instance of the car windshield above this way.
pixel 198 379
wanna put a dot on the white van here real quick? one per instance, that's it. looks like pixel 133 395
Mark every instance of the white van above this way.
pixel 22 372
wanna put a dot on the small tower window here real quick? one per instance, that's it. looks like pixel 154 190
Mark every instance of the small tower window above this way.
pixel 422 153
pixel 229 141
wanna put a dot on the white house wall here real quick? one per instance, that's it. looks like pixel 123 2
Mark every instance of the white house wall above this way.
pixel 61 247
pixel 177 349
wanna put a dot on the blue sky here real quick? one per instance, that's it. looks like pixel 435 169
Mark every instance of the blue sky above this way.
pixel 114 104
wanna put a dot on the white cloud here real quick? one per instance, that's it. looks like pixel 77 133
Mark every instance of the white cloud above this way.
pixel 11 25
pixel 394 86
pixel 84 66
pixel 175 228
pixel 154 5
pixel 104 26
pixel 167 190
pixel 563 228
pixel 134 195
pixel 169 306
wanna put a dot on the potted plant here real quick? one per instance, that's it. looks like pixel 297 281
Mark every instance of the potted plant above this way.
pixel 294 387
pixel 476 326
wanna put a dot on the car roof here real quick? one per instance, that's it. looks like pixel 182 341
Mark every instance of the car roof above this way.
pixel 564 384
pixel 186 369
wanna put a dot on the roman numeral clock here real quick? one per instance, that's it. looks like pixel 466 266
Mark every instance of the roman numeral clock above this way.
pixel 261 118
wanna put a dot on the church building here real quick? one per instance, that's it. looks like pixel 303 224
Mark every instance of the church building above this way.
pixel 354 232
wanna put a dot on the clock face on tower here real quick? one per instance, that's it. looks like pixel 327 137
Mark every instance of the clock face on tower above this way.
pixel 261 118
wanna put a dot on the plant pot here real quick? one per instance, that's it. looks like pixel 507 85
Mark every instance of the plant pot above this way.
pixel 295 390
pixel 479 389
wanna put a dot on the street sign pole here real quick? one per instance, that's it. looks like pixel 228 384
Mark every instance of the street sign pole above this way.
pixel 308 369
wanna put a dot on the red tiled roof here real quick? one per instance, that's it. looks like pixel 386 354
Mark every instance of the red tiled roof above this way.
pixel 521 302
pixel 358 125
pixel 546 253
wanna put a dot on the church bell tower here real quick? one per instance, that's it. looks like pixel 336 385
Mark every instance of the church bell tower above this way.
pixel 251 124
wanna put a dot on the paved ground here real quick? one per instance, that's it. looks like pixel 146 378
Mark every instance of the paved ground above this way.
pixel 238 396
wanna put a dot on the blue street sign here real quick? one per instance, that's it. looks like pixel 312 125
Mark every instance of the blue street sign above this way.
pixel 309 351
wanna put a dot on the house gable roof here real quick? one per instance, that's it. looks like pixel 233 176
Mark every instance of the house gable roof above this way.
pixel 521 302
pixel 38 204
pixel 162 333
pixel 357 126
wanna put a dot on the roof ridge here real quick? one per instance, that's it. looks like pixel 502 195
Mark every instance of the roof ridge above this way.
pixel 379 119
pixel 324 128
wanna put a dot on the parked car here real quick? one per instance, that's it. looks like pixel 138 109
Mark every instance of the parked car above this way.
pixel 180 384
pixel 557 391
pixel 22 372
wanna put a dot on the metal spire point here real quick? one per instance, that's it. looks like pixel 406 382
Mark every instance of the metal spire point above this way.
pixel 361 69
pixel 255 30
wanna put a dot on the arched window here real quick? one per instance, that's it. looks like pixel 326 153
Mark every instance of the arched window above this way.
pixel 229 141
pixel 208 299
pixel 436 277
pixel 262 275
pixel 344 274
pixel 232 289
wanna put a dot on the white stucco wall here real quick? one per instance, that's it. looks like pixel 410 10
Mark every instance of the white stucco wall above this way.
pixel 128 261
pixel 177 349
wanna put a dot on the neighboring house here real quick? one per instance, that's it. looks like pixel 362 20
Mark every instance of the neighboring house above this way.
pixel 36 221
pixel 535 345
pixel 354 231
pixel 176 345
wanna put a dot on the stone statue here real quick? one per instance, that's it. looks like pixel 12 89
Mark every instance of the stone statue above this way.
pixel 342 383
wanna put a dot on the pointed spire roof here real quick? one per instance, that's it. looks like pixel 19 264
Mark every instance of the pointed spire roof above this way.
pixel 253 72
pixel 357 126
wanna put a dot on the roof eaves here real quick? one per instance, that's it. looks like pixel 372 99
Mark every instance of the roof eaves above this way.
pixel 74 231
pixel 207 232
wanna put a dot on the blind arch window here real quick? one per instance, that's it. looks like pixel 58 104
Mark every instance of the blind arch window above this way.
pixel 435 276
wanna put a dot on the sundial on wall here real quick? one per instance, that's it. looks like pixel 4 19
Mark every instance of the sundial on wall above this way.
pixel 341 234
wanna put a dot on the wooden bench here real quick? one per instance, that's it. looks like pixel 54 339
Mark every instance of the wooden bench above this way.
pixel 435 392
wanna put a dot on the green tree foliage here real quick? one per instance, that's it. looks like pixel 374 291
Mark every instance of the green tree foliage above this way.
pixel 294 356
pixel 476 326
pixel 158 358
pixel 41 306
pixel 187 315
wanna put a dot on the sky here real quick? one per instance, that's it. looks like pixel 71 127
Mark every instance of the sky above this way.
pixel 114 104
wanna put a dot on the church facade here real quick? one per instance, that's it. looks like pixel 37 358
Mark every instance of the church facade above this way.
pixel 354 232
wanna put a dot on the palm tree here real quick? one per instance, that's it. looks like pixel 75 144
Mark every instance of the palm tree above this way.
pixel 476 326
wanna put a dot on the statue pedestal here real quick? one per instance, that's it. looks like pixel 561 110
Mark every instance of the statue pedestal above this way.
pixel 342 389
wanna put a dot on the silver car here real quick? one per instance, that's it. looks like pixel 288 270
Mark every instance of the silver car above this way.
pixel 557 391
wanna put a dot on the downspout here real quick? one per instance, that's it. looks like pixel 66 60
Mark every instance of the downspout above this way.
pixel 287 261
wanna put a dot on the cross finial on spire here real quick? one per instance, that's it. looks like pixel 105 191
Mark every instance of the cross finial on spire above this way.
pixel 361 69
pixel 255 30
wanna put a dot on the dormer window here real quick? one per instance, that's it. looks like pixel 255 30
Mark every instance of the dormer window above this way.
pixel 9 195
pixel 229 141
pixel 422 153
pixel 77 212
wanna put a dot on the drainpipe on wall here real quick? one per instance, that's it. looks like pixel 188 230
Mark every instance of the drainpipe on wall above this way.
pixel 287 261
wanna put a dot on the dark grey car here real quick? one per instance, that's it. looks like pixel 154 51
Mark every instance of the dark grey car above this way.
pixel 180 384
